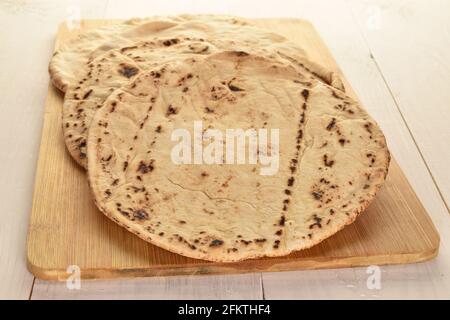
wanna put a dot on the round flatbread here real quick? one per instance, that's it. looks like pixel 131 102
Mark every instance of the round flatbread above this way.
pixel 117 67
pixel 72 55
pixel 332 158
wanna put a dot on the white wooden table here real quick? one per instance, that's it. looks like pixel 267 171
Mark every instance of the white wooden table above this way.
pixel 396 54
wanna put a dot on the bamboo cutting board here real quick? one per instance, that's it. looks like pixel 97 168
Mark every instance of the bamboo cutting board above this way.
pixel 66 228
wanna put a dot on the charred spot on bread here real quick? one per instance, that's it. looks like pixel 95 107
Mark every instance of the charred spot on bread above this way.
pixel 216 243
pixel 331 124
pixel 171 110
pixel 128 71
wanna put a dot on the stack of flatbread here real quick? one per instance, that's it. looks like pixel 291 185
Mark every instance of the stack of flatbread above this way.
pixel 129 86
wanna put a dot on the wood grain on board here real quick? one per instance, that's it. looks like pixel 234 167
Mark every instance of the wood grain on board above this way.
pixel 67 229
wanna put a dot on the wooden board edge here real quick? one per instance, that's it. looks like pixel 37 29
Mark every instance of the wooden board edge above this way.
pixel 195 270
pixel 434 238
pixel 304 264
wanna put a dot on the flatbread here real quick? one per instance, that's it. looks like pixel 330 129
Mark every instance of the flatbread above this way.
pixel 116 67
pixel 73 55
pixel 332 158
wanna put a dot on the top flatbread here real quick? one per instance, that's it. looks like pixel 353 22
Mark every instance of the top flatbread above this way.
pixel 116 67
pixel 72 56
pixel 332 158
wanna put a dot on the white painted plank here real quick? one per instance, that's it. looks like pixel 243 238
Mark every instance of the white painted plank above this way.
pixel 335 23
pixel 410 41
pixel 419 281
pixel 27 30
pixel 247 8
pixel 246 286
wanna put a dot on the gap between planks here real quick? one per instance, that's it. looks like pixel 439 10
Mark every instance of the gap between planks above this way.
pixel 394 99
